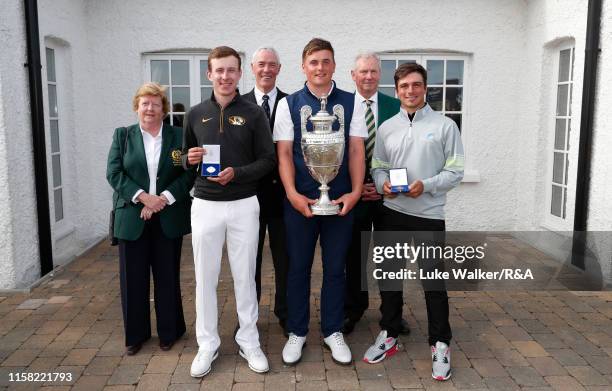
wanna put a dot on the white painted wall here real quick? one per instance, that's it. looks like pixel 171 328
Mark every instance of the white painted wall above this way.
pixel 19 263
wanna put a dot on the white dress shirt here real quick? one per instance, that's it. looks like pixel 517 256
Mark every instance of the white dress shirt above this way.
pixel 283 125
pixel 272 95
pixel 152 147
pixel 360 106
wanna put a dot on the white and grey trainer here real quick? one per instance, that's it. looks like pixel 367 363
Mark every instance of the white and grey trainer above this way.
pixel 383 347
pixel 440 361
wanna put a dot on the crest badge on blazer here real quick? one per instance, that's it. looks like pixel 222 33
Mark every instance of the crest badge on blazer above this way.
pixel 176 157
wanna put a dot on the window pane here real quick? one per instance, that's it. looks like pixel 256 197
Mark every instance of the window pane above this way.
pixel 560 134
pixel 177 120
pixel 55 147
pixel 387 90
pixel 570 99
pixel 159 72
pixel 569 129
pixel 454 97
pixel 566 168
pixel 400 62
pixel 203 78
pixel 572 66
pixel 555 201
pixel 564 65
pixel 180 98
pixel 434 98
pixel 50 64
pixel 180 72
pixel 564 201
pixel 206 93
pixel 52 101
pixel 558 161
pixel 456 118
pixel 454 72
pixel 435 72
pixel 562 100
pixel 387 71
pixel 59 204
pixel 57 170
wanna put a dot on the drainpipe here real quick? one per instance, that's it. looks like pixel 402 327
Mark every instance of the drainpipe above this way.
pixel 38 137
pixel 586 133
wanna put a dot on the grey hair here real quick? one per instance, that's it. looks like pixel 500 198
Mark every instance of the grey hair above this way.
pixel 366 55
pixel 265 48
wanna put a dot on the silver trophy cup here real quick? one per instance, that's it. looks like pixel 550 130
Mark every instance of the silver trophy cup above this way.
pixel 323 150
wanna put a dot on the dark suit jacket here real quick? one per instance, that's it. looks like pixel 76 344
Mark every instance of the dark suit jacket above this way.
pixel 270 191
pixel 128 176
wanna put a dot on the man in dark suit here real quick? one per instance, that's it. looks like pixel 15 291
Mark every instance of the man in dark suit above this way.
pixel 266 66
pixel 376 107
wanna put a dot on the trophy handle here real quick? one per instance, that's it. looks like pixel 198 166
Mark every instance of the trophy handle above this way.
pixel 305 113
pixel 339 112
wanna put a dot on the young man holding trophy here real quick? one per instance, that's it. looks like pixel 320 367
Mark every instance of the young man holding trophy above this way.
pixel 321 155
pixel 419 154
pixel 228 141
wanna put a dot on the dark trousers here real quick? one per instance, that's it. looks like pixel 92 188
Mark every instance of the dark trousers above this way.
pixel 356 301
pixel 277 237
pixel 334 233
pixel 152 252
pixel 427 232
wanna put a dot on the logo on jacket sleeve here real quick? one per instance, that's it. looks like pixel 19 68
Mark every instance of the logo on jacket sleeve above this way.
pixel 236 120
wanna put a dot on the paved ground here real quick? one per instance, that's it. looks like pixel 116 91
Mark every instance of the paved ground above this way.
pixel 503 340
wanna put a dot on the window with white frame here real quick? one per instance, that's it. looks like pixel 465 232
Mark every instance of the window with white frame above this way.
pixel 54 127
pixel 185 77
pixel 562 126
pixel 445 81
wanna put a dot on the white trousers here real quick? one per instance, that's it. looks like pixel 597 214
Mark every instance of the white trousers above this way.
pixel 211 222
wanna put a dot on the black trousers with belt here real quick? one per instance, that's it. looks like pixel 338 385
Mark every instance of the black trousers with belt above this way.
pixel 427 232
pixel 152 252
pixel 277 235
pixel 356 301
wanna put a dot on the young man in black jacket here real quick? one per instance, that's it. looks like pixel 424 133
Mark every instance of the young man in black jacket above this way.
pixel 227 206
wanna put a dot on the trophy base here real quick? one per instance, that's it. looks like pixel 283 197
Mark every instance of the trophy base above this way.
pixel 324 209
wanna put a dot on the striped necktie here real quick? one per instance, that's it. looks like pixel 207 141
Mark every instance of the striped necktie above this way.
pixel 371 124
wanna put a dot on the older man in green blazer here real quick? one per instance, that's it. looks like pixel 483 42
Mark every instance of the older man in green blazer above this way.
pixel 376 107
pixel 152 213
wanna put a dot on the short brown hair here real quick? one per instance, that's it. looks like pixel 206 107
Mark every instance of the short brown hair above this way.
pixel 151 89
pixel 408 68
pixel 315 45
pixel 223 51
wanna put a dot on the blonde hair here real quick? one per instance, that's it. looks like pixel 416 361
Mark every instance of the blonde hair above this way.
pixel 151 89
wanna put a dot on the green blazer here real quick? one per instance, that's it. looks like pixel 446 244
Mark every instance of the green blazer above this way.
pixel 387 107
pixel 128 177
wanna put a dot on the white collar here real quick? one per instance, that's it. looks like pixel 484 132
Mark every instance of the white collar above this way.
pixel 158 134
pixel 259 94
pixel 373 98
pixel 333 85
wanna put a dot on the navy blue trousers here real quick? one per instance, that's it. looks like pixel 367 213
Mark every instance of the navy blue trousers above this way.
pixel 335 236
pixel 152 253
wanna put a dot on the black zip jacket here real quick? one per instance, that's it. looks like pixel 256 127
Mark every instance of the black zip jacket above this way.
pixel 243 132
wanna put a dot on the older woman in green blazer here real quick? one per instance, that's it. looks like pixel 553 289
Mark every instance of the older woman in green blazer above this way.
pixel 152 213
